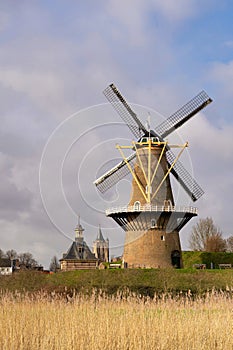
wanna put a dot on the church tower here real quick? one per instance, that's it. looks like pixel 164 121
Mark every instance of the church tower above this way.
pixel 79 255
pixel 101 247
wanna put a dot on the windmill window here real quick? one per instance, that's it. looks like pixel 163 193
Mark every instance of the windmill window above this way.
pixel 144 139
pixel 137 205
pixel 162 238
pixel 155 139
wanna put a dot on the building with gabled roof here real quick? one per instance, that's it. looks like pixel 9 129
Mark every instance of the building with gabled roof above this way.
pixel 79 255
pixel 8 266
pixel 101 247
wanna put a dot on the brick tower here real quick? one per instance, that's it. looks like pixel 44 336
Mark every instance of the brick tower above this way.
pixel 151 220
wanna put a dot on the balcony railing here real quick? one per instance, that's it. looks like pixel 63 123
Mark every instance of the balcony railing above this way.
pixel 152 208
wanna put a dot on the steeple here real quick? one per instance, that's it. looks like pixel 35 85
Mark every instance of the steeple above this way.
pixel 100 235
pixel 79 231
pixel 101 247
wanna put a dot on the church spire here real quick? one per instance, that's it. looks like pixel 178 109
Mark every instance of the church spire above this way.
pixel 101 247
pixel 100 235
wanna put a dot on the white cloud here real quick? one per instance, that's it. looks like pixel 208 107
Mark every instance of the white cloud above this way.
pixel 38 85
pixel 211 153
pixel 176 10
pixel 222 74
pixel 130 18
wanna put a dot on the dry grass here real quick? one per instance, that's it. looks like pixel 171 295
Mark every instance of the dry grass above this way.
pixel 40 321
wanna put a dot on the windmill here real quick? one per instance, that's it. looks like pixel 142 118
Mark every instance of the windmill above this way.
pixel 151 220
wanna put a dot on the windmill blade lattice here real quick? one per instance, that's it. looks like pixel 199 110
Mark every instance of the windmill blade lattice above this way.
pixel 183 114
pixel 184 178
pixel 113 176
pixel 124 111
pixel 165 128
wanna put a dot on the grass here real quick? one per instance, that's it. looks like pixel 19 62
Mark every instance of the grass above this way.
pixel 190 258
pixel 48 321
pixel 144 282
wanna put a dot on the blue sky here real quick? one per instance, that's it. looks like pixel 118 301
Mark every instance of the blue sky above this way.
pixel 57 58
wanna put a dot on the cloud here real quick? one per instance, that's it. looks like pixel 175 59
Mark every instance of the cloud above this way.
pixel 135 14
pixel 176 11
pixel 14 201
pixel 211 154
pixel 55 62
pixel 228 44
pixel 222 74
pixel 129 21
pixel 4 21
pixel 36 85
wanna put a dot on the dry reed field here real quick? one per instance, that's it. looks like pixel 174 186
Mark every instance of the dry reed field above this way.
pixel 49 321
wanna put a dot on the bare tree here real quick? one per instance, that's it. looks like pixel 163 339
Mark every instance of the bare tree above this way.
pixel 54 264
pixel 206 236
pixel 27 260
pixel 229 244
pixel 11 254
pixel 216 243
pixel 2 255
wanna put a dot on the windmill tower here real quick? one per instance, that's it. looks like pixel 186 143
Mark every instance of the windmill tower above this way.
pixel 151 219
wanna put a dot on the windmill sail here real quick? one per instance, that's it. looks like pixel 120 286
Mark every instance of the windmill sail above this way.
pixel 177 119
pixel 114 175
pixel 124 111
pixel 184 178
pixel 183 114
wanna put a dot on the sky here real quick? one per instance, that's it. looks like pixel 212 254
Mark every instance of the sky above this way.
pixel 58 134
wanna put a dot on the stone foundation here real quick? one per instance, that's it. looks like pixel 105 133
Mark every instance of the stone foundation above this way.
pixel 152 249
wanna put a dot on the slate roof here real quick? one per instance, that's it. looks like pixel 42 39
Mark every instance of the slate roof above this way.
pixel 79 251
pixel 4 262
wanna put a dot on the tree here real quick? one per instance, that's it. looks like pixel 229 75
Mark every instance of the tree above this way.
pixel 27 260
pixel 206 236
pixel 229 244
pixel 2 255
pixel 11 254
pixel 54 264
pixel 215 243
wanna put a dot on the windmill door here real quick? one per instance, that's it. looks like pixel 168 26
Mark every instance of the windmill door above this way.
pixel 175 256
